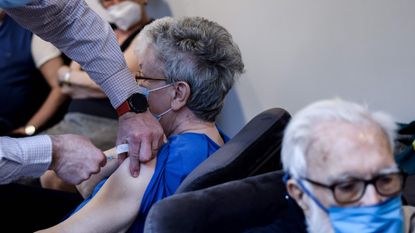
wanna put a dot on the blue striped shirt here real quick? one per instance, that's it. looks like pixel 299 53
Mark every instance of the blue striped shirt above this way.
pixel 84 37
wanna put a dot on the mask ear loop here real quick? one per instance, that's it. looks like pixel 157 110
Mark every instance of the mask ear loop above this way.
pixel 159 88
pixel 311 196
pixel 158 117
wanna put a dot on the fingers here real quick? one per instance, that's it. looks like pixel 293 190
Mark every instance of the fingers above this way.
pixel 121 157
pixel 154 148
pixel 144 135
pixel 134 166
pixel 75 158
pixel 133 149
pixel 103 161
pixel 121 151
pixel 157 143
pixel 95 166
pixel 145 151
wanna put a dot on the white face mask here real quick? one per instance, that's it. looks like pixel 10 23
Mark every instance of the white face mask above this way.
pixel 125 14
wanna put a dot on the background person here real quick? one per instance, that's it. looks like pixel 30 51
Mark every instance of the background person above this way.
pixel 30 97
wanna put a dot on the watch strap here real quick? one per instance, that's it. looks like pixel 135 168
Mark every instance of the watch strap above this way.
pixel 123 108
pixel 137 103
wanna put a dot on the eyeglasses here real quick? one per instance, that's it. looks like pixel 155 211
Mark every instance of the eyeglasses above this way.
pixel 139 77
pixel 353 190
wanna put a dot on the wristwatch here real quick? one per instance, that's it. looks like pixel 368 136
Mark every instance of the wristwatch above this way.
pixel 137 103
pixel 29 130
pixel 67 78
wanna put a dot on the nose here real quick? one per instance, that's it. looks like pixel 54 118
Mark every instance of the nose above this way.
pixel 371 196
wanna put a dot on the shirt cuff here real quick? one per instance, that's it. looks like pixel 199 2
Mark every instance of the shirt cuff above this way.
pixel 120 86
pixel 36 155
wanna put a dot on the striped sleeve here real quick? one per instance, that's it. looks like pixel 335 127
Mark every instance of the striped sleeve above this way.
pixel 20 157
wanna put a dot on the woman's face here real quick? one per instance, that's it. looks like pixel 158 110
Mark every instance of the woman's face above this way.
pixel 159 100
pixel 159 97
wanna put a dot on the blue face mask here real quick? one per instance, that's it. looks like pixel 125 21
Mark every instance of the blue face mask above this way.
pixel 13 3
pixel 146 92
pixel 385 217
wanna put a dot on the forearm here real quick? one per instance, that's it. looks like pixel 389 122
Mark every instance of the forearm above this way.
pixel 24 157
pixel 85 188
pixel 82 35
pixel 49 70
pixel 48 108
pixel 81 78
pixel 115 206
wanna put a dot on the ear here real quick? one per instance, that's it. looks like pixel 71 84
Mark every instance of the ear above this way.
pixel 297 194
pixel 181 95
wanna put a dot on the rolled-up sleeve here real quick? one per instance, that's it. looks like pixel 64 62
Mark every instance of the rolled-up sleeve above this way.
pixel 83 36
pixel 43 51
pixel 20 157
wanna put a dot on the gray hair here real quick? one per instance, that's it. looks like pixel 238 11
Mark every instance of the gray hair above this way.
pixel 299 133
pixel 199 52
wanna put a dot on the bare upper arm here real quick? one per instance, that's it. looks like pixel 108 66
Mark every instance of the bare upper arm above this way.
pixel 121 180
pixel 115 206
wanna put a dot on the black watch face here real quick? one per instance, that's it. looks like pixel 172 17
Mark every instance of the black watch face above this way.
pixel 138 103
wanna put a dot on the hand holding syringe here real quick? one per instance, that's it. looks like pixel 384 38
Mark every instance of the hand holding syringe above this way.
pixel 122 148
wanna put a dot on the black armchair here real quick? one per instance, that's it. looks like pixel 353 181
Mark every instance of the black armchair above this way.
pixel 254 204
pixel 254 150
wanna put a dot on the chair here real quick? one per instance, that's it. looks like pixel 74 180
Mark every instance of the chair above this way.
pixel 254 150
pixel 254 204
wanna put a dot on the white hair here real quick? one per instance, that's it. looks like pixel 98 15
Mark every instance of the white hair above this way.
pixel 299 133
pixel 145 37
pixel 199 52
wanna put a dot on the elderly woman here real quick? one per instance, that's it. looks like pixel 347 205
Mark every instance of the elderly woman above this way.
pixel 187 66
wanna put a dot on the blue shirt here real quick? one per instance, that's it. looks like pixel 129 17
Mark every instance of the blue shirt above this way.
pixel 22 88
pixel 13 3
pixel 175 160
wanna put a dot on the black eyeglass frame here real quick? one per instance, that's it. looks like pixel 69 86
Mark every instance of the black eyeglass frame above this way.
pixel 332 187
pixel 139 77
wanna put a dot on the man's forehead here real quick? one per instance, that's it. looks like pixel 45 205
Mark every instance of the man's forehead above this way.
pixel 339 149
pixel 329 136
pixel 332 135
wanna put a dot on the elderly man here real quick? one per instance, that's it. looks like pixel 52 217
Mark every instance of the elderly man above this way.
pixel 341 171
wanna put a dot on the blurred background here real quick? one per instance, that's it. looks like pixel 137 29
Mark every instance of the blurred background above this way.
pixel 297 52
